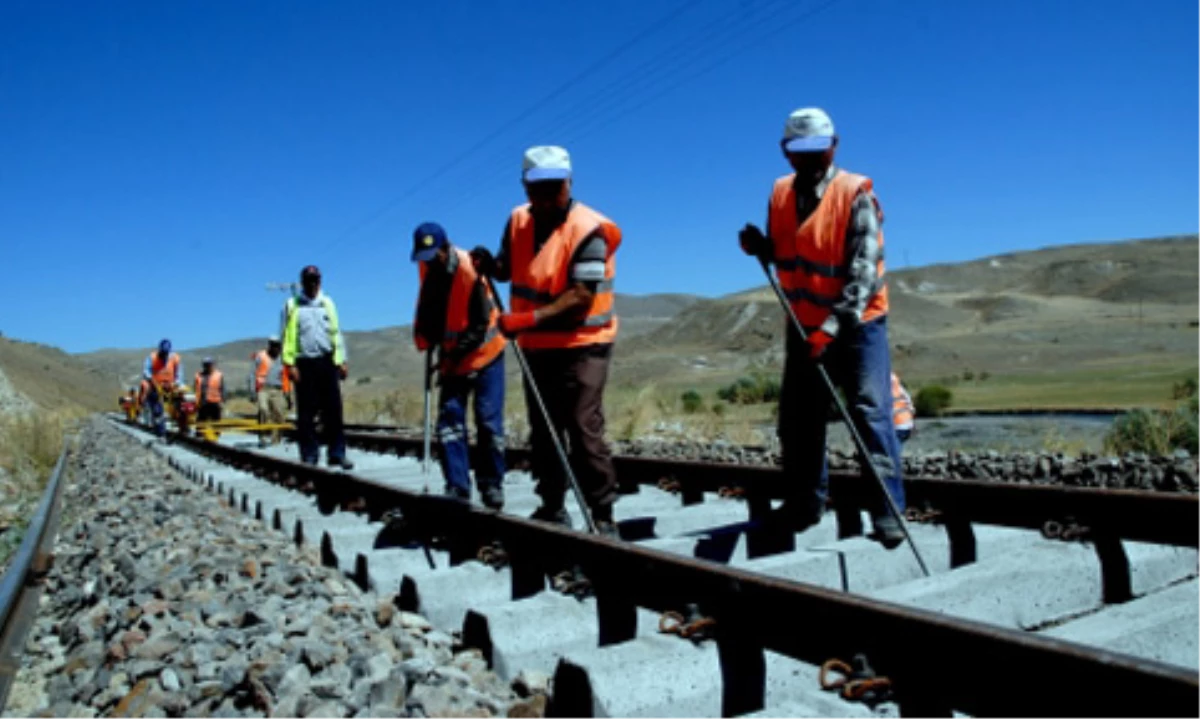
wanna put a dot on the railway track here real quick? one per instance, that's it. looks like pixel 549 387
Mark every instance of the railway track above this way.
pixel 1044 600
pixel 20 586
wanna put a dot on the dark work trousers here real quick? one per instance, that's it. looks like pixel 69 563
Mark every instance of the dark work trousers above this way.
pixel 488 386
pixel 858 362
pixel 571 382
pixel 209 412
pixel 319 391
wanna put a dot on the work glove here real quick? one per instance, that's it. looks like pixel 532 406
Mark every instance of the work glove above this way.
pixel 485 263
pixel 513 322
pixel 817 342
pixel 343 370
pixel 294 374
pixel 754 242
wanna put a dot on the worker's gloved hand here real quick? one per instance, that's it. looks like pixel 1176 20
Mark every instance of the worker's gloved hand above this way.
pixel 343 370
pixel 753 241
pixel 817 342
pixel 294 374
pixel 483 260
pixel 513 322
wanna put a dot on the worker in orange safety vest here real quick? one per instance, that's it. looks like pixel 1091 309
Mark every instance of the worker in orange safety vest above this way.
pixel 210 392
pixel 560 256
pixel 457 316
pixel 825 240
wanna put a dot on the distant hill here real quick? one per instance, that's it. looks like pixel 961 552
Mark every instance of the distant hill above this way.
pixel 386 355
pixel 49 378
pixel 1122 307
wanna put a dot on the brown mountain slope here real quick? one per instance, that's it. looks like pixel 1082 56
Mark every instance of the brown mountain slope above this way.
pixel 52 379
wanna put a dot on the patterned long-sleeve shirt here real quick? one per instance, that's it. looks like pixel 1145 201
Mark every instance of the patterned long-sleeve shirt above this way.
pixel 864 251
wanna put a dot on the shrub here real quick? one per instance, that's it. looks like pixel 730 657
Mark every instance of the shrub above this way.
pixel 362 380
pixel 692 401
pixel 1184 389
pixel 984 375
pixel 932 400
pixel 968 375
pixel 751 390
pixel 1155 431
pixel 718 409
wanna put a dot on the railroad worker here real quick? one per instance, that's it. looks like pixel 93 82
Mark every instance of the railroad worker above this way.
pixel 456 315
pixel 210 391
pixel 314 353
pixel 271 387
pixel 824 237
pixel 560 257
pixel 163 372
pixel 902 410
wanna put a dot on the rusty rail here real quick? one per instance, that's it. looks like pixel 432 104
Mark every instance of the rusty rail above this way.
pixel 937 663
pixel 20 587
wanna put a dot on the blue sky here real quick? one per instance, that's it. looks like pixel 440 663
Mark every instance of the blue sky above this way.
pixel 160 162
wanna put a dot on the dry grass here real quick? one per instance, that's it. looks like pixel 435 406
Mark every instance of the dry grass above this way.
pixel 30 444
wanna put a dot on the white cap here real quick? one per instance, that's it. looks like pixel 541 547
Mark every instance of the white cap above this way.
pixel 808 129
pixel 546 162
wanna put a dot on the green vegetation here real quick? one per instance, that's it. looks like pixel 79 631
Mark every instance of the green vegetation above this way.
pixel 1184 389
pixel 751 390
pixel 932 400
pixel 30 445
pixel 692 402
pixel 1155 431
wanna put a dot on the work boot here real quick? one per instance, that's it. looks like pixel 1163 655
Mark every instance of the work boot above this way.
pixel 340 462
pixel 493 497
pixel 552 515
pixel 457 493
pixel 888 532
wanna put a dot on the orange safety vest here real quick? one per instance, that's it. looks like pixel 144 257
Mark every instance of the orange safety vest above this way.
pixel 163 372
pixel 538 280
pixel 209 392
pixel 810 260
pixel 458 316
pixel 902 407
pixel 262 367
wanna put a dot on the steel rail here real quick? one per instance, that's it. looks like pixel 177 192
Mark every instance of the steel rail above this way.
pixel 937 663
pixel 20 587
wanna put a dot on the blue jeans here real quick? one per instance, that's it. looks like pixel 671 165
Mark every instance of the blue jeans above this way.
pixel 859 363
pixel 488 386
pixel 157 416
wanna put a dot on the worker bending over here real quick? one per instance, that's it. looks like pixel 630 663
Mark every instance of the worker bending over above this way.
pixel 824 237
pixel 314 354
pixel 163 372
pixel 210 392
pixel 457 316
pixel 560 256
pixel 271 387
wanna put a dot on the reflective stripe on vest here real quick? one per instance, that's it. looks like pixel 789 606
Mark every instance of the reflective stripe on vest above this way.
pixel 902 408
pixel 810 257
pixel 208 387
pixel 458 318
pixel 537 279
pixel 164 372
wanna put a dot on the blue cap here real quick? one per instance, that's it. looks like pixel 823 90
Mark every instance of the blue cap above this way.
pixel 808 129
pixel 164 346
pixel 207 360
pixel 427 240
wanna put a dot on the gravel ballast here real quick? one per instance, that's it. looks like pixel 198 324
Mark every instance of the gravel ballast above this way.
pixel 165 601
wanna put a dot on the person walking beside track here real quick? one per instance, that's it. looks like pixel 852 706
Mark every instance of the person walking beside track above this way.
pixel 162 371
pixel 210 392
pixel 271 388
pixel 314 354
pixel 457 316
pixel 824 238
pixel 560 257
